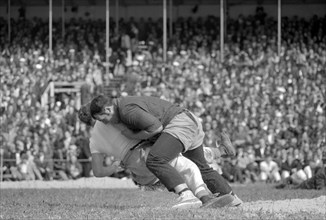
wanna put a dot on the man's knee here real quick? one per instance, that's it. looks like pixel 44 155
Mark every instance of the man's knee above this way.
pixel 153 161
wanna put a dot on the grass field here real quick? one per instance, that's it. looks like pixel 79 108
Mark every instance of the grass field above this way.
pixel 135 204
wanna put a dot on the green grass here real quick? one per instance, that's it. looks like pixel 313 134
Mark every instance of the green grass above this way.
pixel 134 204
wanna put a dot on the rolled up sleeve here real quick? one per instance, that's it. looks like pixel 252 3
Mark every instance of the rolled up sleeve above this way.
pixel 137 118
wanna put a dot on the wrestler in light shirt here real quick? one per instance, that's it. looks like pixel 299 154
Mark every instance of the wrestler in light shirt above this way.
pixel 108 140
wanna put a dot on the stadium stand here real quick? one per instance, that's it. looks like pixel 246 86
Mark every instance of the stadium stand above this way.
pixel 270 104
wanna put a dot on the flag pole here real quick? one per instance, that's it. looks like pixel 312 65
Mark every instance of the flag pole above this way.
pixel 164 31
pixel 107 33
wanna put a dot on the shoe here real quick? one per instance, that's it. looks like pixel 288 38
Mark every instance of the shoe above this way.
pixel 226 145
pixel 219 202
pixel 187 200
pixel 236 202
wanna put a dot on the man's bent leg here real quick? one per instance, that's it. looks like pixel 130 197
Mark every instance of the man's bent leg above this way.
pixel 214 181
pixel 165 149
pixel 192 176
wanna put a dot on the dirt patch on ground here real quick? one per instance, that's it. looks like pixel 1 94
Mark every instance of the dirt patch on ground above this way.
pixel 316 205
pixel 100 183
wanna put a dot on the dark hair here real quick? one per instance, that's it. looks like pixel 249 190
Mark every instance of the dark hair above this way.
pixel 98 104
pixel 84 115
pixel 268 155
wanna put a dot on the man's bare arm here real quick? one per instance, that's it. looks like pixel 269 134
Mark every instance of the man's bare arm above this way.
pixel 98 169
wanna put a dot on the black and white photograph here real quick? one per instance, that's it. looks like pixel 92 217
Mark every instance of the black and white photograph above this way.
pixel 163 109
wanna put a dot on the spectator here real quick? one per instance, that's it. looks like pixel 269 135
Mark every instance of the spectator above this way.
pixel 11 164
pixel 267 100
pixel 286 163
pixel 231 171
pixel 45 165
pixel 4 169
pixel 252 167
pixel 24 169
pixel 227 169
pixel 74 168
pixel 32 167
pixel 84 154
pixel 59 169
pixel 297 172
pixel 317 181
pixel 269 170
pixel 243 161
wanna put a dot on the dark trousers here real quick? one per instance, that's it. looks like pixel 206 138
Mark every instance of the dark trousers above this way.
pixel 165 149
pixel 87 167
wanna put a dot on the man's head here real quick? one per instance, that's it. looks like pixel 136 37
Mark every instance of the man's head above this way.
pixel 84 115
pixel 269 158
pixel 102 109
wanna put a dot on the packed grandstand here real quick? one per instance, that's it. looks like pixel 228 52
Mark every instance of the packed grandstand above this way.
pixel 272 105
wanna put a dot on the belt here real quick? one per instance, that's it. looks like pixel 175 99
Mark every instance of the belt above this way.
pixel 188 113
pixel 137 145
pixel 122 162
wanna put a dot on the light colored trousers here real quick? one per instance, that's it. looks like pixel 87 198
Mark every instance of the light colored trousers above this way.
pixel 135 162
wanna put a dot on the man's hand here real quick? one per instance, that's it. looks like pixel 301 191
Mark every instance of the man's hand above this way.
pixel 98 169
pixel 113 167
pixel 116 166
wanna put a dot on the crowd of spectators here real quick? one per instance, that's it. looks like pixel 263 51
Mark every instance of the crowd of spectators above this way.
pixel 272 105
